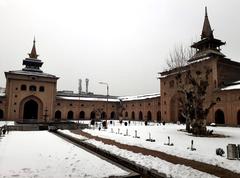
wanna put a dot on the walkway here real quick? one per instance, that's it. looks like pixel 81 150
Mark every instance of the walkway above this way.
pixel 204 167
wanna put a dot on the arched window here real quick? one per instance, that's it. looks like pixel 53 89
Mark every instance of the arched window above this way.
pixel 149 116
pixel 238 117
pixel 112 115
pixel 23 87
pixel 126 114
pixel 32 88
pixel 133 115
pixel 70 115
pixel 82 115
pixel 1 114
pixel 58 115
pixel 140 116
pixel 159 116
pixel 219 117
pixel 92 115
pixel 41 88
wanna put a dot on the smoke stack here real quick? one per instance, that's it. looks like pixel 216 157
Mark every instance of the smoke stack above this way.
pixel 80 86
pixel 87 81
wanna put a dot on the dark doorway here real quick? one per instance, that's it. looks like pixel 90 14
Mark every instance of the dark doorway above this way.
pixel 149 116
pixel 103 115
pixel 133 115
pixel 238 118
pixel 112 115
pixel 1 114
pixel 82 115
pixel 58 115
pixel 219 117
pixel 70 115
pixel 158 116
pixel 93 115
pixel 30 110
pixel 140 117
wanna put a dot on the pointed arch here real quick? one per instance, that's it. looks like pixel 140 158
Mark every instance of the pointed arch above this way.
pixel 93 115
pixel 238 117
pixel 133 115
pixel 82 115
pixel 113 115
pixel 103 115
pixel 149 116
pixel 159 116
pixel 58 115
pixel 70 115
pixel 140 116
pixel 219 117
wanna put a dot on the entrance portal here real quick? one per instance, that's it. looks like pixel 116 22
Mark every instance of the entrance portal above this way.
pixel 30 110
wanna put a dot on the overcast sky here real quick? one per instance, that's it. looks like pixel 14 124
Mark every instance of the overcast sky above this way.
pixel 122 42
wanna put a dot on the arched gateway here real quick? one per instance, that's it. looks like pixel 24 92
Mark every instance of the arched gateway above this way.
pixel 31 109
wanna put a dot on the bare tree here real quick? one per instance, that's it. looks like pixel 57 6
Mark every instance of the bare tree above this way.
pixel 193 92
pixel 179 56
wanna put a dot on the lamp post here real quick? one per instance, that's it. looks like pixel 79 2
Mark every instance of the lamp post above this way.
pixel 104 83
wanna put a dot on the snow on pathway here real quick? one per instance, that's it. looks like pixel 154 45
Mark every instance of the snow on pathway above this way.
pixel 206 147
pixel 42 154
pixel 151 162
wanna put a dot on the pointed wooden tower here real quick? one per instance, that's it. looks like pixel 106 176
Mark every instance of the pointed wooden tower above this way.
pixel 208 46
pixel 32 63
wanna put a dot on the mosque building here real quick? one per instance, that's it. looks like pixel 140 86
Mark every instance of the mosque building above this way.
pixel 31 95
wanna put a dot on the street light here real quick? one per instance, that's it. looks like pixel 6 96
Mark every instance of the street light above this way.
pixel 104 83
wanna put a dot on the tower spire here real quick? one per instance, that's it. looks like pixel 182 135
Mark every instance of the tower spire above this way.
pixel 206 31
pixel 33 53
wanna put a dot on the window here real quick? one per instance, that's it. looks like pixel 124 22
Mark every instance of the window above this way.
pixel 0 102
pixel 23 87
pixel 218 99
pixel 41 88
pixel 70 104
pixel 32 88
pixel 58 104
pixel 132 105
pixel 82 105
pixel 149 104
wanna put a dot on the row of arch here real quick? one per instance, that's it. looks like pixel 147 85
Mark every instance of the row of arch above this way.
pixel 82 115
pixel 140 116
pixel 32 88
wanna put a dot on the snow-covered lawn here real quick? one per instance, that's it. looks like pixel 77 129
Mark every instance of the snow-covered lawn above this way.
pixel 171 170
pixel 205 147
pixel 42 154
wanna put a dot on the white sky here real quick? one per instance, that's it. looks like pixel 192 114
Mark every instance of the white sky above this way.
pixel 122 42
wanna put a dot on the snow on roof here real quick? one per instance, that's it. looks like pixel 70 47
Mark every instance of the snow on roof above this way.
pixel 40 74
pixel 87 98
pixel 232 87
pixel 139 97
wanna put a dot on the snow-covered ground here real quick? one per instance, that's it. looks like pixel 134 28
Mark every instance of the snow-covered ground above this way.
pixel 205 147
pixel 171 170
pixel 2 123
pixel 42 154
